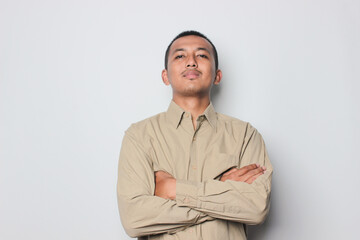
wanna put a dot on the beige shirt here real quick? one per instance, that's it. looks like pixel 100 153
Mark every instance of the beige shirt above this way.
pixel 204 208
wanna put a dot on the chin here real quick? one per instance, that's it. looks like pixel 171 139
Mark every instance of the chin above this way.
pixel 192 92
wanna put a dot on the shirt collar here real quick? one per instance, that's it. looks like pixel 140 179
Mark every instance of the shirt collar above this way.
pixel 210 115
pixel 175 114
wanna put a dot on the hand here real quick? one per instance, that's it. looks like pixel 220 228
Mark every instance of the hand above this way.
pixel 246 174
pixel 165 185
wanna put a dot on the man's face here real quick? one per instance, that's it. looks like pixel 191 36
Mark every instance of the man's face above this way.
pixel 191 67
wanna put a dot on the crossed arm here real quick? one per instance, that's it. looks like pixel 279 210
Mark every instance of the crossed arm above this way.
pixel 165 184
pixel 168 205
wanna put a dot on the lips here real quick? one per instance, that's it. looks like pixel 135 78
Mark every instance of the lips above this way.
pixel 191 74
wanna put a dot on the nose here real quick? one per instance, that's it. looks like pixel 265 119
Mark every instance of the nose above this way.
pixel 191 63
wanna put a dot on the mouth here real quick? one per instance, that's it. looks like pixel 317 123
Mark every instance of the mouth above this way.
pixel 191 74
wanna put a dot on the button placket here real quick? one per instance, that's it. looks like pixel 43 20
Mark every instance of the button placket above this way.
pixel 193 159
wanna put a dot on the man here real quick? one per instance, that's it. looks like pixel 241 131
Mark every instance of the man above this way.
pixel 192 173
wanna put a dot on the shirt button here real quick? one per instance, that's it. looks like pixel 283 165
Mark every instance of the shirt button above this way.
pixel 194 138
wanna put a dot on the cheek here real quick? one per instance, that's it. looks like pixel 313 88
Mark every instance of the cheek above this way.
pixel 210 70
pixel 173 76
pixel 173 68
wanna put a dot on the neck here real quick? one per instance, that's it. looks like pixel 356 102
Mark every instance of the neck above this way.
pixel 194 104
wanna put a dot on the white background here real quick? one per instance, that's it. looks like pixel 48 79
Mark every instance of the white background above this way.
pixel 75 74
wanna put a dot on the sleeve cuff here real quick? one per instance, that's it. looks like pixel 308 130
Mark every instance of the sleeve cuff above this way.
pixel 187 193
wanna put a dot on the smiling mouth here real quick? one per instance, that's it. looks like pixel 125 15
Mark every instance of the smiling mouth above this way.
pixel 191 74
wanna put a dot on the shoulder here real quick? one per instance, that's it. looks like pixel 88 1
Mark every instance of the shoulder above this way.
pixel 236 126
pixel 141 128
pixel 229 119
pixel 235 122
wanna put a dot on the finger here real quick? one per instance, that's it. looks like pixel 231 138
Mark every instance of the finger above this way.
pixel 230 171
pixel 253 178
pixel 247 168
pixel 252 173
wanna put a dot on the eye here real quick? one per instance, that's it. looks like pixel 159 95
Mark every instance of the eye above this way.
pixel 179 56
pixel 203 56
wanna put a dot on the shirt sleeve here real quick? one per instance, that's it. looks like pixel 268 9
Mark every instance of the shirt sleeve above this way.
pixel 141 212
pixel 232 200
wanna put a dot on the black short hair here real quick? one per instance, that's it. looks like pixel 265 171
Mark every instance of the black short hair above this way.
pixel 191 33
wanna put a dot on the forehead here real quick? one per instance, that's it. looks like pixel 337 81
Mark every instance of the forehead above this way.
pixel 190 42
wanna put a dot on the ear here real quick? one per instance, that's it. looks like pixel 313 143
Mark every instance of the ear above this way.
pixel 164 76
pixel 218 77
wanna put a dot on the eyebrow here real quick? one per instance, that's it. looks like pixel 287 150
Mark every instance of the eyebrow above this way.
pixel 198 49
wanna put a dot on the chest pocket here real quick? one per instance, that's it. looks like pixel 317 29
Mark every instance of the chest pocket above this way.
pixel 215 166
